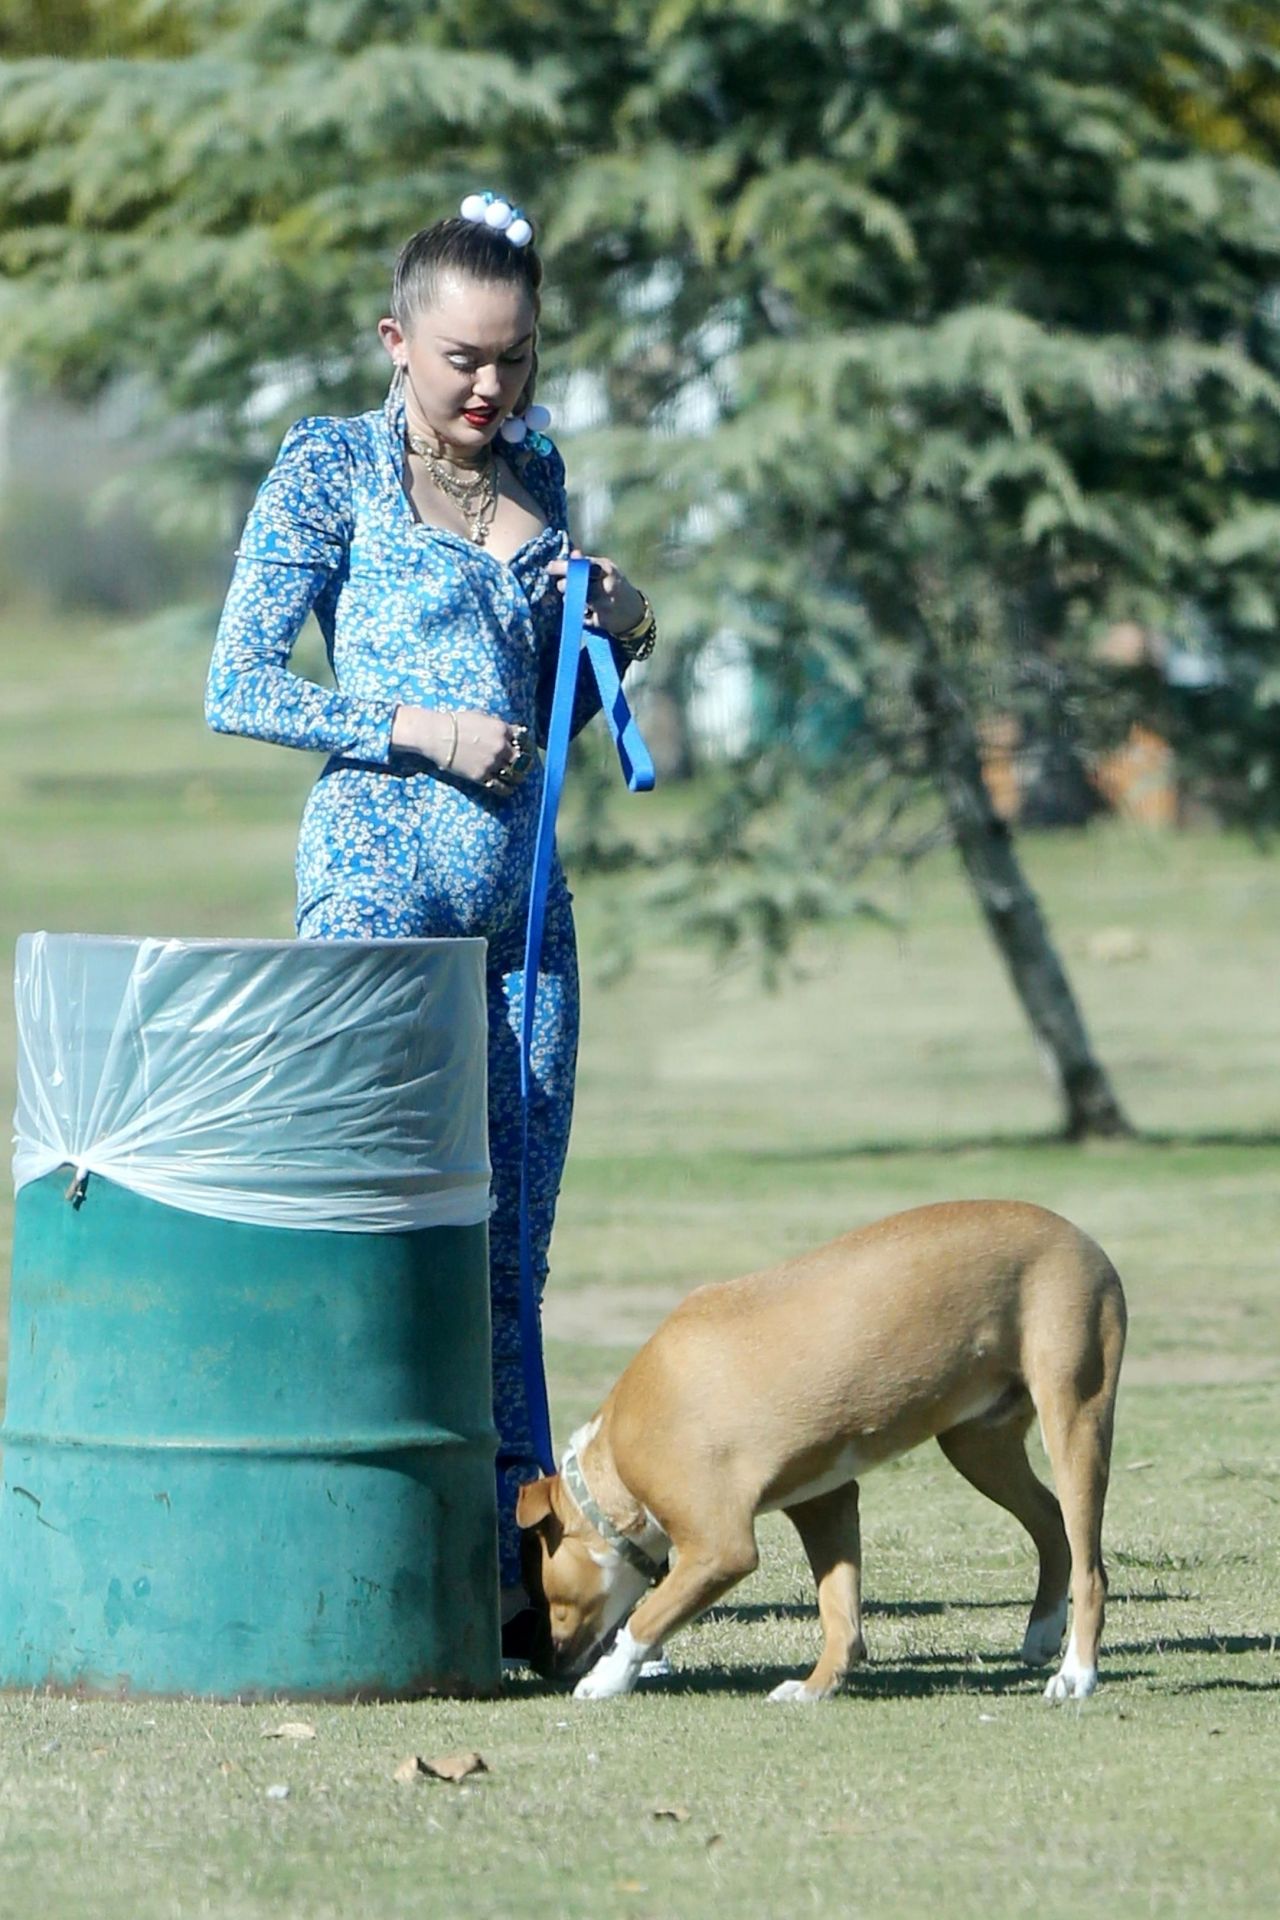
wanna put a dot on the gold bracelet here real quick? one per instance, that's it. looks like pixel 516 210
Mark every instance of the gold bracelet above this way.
pixel 638 639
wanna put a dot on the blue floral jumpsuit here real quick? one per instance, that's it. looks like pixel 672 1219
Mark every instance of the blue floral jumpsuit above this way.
pixel 391 847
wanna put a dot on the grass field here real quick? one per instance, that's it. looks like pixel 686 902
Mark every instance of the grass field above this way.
pixel 718 1128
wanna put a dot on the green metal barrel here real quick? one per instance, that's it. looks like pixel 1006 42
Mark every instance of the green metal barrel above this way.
pixel 243 1459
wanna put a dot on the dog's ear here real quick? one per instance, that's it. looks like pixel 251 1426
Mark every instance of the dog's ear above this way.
pixel 533 1502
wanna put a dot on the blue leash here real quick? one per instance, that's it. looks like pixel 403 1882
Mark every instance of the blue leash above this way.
pixel 575 640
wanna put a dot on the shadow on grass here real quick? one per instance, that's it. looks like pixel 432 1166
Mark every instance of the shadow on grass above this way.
pixel 907 1609
pixel 924 1675
pixel 808 1609
pixel 1225 1686
pixel 921 1678
pixel 1215 1137
pixel 1003 1142
pixel 523 1684
pixel 893 1149
pixel 1228 1643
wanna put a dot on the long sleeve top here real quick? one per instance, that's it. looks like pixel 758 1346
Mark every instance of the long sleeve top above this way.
pixel 409 612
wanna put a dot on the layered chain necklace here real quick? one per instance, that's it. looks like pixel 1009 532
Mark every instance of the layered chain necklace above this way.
pixel 473 490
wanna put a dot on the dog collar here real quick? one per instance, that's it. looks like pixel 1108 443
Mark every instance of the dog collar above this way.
pixel 628 1549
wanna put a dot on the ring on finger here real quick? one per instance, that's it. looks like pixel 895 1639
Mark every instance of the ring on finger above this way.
pixel 521 754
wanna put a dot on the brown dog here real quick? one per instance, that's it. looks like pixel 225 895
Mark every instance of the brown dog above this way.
pixel 959 1322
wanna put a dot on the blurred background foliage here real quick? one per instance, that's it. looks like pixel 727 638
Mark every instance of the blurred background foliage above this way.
pixel 917 349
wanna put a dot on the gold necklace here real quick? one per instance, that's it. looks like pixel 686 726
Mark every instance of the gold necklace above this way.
pixel 476 497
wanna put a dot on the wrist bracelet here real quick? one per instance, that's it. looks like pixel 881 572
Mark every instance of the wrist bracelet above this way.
pixel 637 640
pixel 453 744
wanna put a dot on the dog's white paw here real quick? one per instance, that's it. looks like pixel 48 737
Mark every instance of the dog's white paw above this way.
pixel 1073 1680
pixel 794 1690
pixel 1043 1640
pixel 1071 1686
pixel 615 1672
pixel 601 1686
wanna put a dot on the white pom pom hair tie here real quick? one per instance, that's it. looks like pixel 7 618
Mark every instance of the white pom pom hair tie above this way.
pixel 491 210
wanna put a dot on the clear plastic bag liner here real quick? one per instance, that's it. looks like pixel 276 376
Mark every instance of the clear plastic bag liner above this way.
pixel 315 1084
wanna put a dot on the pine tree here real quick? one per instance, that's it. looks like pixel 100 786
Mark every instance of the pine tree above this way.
pixel 930 337
pixel 964 336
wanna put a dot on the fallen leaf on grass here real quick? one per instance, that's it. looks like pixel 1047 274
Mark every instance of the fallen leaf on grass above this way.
pixel 631 1886
pixel 410 1768
pixel 290 1730
pixel 1138 1466
pixel 278 1792
pixel 453 1766
pixel 678 1814
pixel 714 1840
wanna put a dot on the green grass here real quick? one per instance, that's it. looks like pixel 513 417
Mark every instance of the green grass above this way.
pixel 718 1128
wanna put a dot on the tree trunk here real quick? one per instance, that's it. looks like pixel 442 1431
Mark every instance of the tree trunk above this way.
pixel 1013 915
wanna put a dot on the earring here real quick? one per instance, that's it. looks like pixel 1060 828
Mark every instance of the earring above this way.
pixel 397 377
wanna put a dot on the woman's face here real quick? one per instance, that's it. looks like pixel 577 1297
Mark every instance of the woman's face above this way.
pixel 466 360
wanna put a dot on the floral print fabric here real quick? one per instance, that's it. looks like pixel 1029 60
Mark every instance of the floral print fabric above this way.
pixel 390 847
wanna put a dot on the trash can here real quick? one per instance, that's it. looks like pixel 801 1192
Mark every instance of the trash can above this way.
pixel 248 1446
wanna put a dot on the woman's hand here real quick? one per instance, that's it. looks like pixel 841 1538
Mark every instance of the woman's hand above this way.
pixel 491 753
pixel 616 604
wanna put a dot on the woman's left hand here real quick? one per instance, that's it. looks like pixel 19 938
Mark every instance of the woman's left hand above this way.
pixel 616 604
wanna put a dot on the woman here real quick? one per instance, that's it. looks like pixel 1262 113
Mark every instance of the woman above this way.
pixel 429 537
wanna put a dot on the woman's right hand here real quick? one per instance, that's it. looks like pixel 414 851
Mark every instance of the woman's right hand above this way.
pixel 489 752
